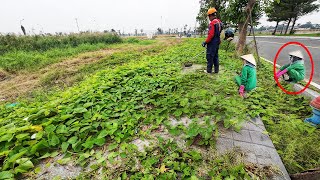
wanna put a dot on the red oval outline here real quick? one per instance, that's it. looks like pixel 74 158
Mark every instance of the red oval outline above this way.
pixel 275 62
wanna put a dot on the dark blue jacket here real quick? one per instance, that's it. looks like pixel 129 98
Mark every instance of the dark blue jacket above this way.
pixel 213 39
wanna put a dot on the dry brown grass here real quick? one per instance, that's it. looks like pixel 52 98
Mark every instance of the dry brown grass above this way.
pixel 63 72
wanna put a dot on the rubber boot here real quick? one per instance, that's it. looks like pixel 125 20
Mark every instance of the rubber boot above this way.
pixel 315 119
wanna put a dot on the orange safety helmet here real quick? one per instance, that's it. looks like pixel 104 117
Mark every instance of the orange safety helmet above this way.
pixel 211 11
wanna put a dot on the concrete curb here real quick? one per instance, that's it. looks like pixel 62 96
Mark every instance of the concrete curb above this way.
pixel 288 37
pixel 308 92
pixel 255 143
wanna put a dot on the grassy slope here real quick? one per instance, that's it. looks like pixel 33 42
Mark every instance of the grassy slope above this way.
pixel 23 60
pixel 124 99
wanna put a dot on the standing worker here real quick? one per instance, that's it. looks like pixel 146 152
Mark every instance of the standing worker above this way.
pixel 213 41
pixel 295 70
pixel 248 78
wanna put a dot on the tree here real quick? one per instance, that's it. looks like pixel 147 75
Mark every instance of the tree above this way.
pixel 23 30
pixel 243 25
pixel 302 8
pixel 277 12
pixel 22 27
pixel 159 31
pixel 307 25
pixel 297 8
pixel 185 29
pixel 236 12
pixel 202 17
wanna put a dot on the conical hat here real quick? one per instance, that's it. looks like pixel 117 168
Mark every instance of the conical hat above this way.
pixel 249 58
pixel 297 54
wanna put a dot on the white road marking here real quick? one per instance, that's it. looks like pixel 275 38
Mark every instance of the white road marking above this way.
pixel 290 44
pixel 306 80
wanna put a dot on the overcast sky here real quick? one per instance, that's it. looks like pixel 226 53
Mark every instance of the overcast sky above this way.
pixel 125 15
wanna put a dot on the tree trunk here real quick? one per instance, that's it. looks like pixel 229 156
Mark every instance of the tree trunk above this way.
pixel 282 28
pixel 243 32
pixel 288 26
pixel 294 22
pixel 275 29
pixel 240 26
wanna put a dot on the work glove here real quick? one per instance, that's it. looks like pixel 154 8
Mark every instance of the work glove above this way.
pixel 280 73
pixel 241 90
pixel 204 44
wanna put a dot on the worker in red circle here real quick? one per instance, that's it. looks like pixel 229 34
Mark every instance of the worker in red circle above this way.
pixel 213 41
pixel 295 69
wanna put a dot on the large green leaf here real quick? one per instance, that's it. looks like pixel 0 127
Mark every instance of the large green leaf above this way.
pixel 62 129
pixel 64 146
pixel 54 140
pixel 73 140
pixel 49 129
pixel 24 165
pixel 6 175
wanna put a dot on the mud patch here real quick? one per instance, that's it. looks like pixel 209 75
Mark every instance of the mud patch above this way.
pixel 184 121
pixel 142 144
pixel 192 68
pixel 50 169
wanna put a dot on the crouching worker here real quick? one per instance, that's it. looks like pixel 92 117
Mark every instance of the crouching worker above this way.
pixel 248 78
pixel 295 69
pixel 229 35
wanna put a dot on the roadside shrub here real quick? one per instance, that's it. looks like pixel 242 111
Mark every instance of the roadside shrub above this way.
pixel 42 43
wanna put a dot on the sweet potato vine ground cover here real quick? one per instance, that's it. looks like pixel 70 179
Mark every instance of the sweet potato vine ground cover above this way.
pixel 113 107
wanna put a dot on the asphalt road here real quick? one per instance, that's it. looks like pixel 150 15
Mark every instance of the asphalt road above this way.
pixel 269 46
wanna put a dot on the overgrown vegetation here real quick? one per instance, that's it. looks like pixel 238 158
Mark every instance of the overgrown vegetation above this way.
pixel 135 97
pixel 43 43
pixel 33 52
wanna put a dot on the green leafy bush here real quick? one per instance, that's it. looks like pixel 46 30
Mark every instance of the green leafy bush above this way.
pixel 10 43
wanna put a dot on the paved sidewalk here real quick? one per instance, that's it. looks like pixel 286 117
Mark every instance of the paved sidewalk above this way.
pixel 254 143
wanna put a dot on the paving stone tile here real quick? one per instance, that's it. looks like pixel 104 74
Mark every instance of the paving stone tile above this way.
pixel 224 145
pixel 258 150
pixel 225 133
pixel 253 127
pixel 265 161
pixel 260 138
pixel 276 158
pixel 257 121
pixel 243 135
pixel 251 157
pixel 257 146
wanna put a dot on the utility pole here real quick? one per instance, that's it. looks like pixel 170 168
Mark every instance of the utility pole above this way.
pixel 161 24
pixel 77 24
